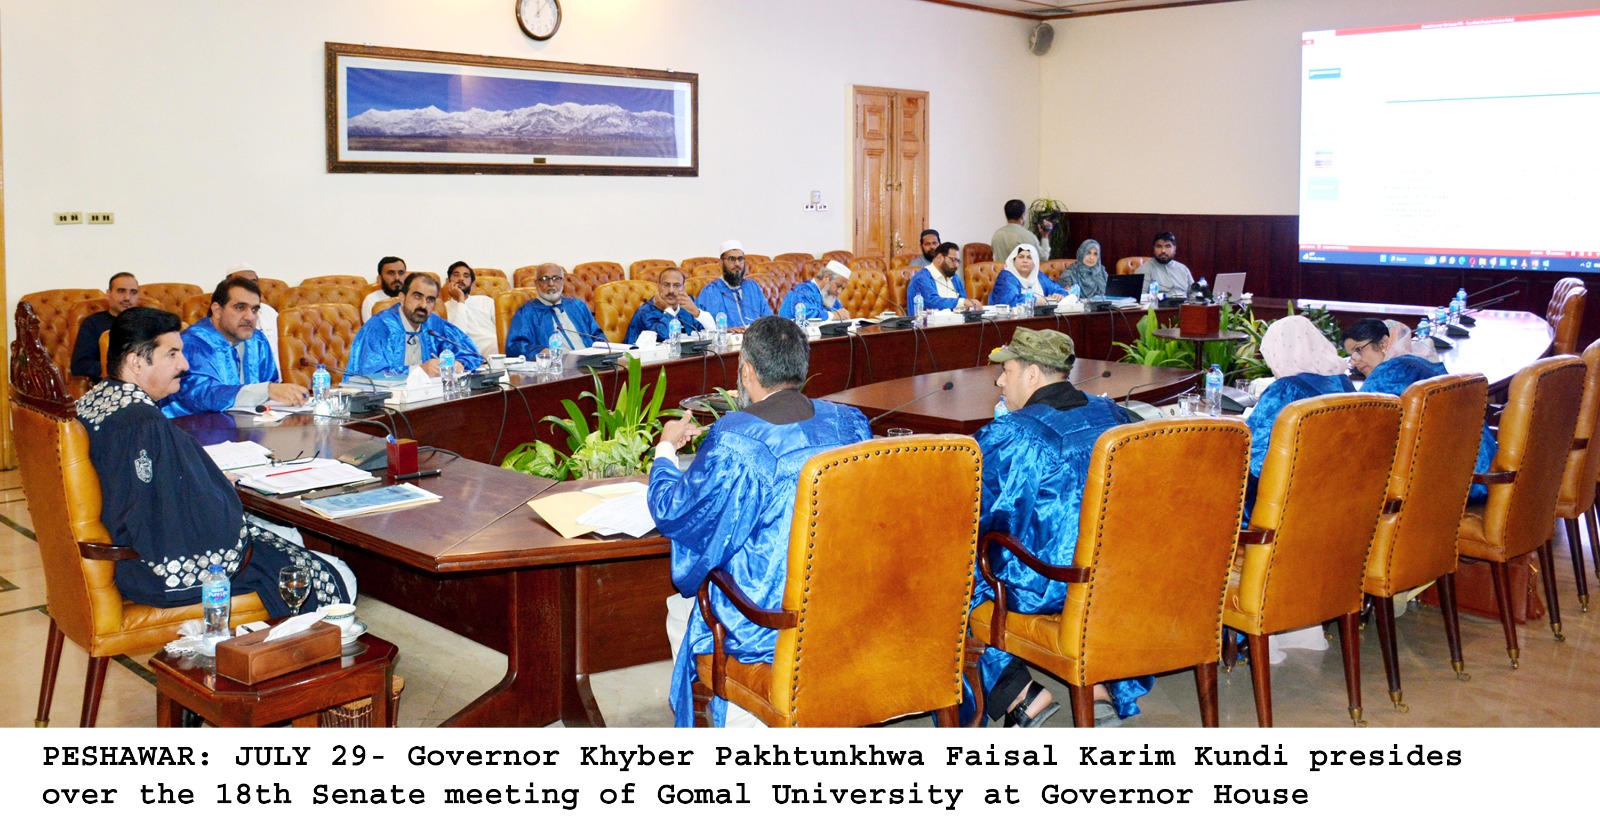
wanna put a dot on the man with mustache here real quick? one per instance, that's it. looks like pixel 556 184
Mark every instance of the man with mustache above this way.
pixel 230 362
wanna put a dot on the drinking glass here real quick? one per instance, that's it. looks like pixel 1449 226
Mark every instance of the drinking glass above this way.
pixel 548 363
pixel 294 583
pixel 1188 405
pixel 899 432
pixel 1242 384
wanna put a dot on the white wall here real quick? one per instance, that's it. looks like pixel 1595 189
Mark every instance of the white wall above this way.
pixel 200 124
pixel 1196 110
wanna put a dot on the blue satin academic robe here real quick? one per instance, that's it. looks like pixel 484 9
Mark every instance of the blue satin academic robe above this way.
pixel 732 510
pixel 810 296
pixel 1395 375
pixel 533 324
pixel 650 318
pixel 380 346
pixel 1008 289
pixel 922 283
pixel 742 308
pixel 214 377
pixel 1035 466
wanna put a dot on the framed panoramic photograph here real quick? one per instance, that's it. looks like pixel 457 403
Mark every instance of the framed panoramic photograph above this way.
pixel 402 111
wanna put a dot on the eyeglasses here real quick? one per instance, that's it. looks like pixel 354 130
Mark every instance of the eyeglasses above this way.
pixel 550 278
pixel 1355 351
pixel 739 259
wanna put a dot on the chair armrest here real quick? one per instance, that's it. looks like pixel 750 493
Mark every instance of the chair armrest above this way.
pixel 105 551
pixel 992 542
pixel 1494 478
pixel 1256 537
pixel 765 618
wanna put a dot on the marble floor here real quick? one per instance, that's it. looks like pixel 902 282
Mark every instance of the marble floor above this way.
pixel 445 671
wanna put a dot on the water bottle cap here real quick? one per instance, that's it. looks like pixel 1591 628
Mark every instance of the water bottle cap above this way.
pixel 215 567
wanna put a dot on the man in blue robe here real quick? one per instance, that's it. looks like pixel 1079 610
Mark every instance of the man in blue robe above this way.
pixel 165 498
pixel 938 285
pixel 550 314
pixel 741 301
pixel 733 507
pixel 1035 467
pixel 671 301
pixel 230 364
pixel 819 296
pixel 410 334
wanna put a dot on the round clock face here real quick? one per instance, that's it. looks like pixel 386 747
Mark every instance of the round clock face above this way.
pixel 539 19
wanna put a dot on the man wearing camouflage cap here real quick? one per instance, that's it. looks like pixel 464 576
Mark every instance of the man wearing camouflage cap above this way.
pixel 1035 466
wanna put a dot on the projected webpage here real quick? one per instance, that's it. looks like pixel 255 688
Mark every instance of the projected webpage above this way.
pixel 1467 143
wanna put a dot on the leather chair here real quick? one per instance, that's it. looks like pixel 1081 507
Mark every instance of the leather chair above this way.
pixel 485 271
pixel 597 272
pixel 1054 268
pixel 899 283
pixel 1129 265
pixel 752 259
pixel 773 290
pixel 689 264
pixel 523 276
pixel 649 269
pixel 809 269
pixel 505 308
pixel 308 295
pixel 384 305
pixel 866 295
pixel 783 272
pixel 170 296
pixel 1565 314
pixel 1143 597
pixel 979 279
pixel 615 303
pixel 1536 430
pixel 75 316
pixel 491 287
pixel 868 263
pixel 840 255
pixel 694 284
pixel 712 269
pixel 63 493
pixel 900 261
pixel 874 609
pixel 1577 495
pixel 798 258
pixel 194 308
pixel 348 280
pixel 976 253
pixel 1317 506
pixel 272 291
pixel 57 331
pixel 313 334
pixel 1414 543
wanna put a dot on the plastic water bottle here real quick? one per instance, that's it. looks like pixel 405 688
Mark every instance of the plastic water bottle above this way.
pixel 321 382
pixel 1458 305
pixel 722 331
pixel 1077 292
pixel 556 344
pixel 800 314
pixel 674 328
pixel 1000 409
pixel 917 306
pixel 447 373
pixel 1029 300
pixel 1214 390
pixel 1155 292
pixel 216 595
pixel 1424 330
pixel 1441 317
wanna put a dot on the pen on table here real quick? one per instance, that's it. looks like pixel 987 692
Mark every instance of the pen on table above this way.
pixel 291 471
pixel 418 475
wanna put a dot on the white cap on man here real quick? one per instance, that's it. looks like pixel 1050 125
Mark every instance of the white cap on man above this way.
pixel 838 269
pixel 239 268
pixel 730 245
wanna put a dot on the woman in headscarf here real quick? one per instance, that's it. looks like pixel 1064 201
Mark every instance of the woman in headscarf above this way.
pixel 1305 365
pixel 1393 361
pixel 1087 272
pixel 1021 277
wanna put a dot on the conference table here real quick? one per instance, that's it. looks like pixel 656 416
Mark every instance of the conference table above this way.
pixel 482 564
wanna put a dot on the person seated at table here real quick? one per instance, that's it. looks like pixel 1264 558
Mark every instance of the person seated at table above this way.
pixel 230 362
pixel 267 319
pixel 473 313
pixel 122 293
pixel 734 297
pixel 820 295
pixel 938 285
pixel 1021 277
pixel 1305 365
pixel 1387 357
pixel 732 508
pixel 1035 466
pixel 1087 272
pixel 672 300
pixel 410 334
pixel 165 498
pixel 549 315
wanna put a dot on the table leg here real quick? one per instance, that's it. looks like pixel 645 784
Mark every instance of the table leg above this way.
pixel 169 715
pixel 541 683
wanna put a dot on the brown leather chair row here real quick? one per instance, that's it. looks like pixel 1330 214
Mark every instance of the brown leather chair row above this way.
pixel 1565 314
pixel 318 333
pixel 976 253
pixel 979 279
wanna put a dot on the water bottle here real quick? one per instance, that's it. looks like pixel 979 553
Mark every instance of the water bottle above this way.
pixel 321 381
pixel 1029 300
pixel 1155 292
pixel 447 373
pixel 800 314
pixel 1441 317
pixel 1214 390
pixel 917 306
pixel 1458 305
pixel 674 328
pixel 1077 293
pixel 1000 409
pixel 1423 330
pixel 216 595
pixel 1204 289
pixel 556 343
pixel 722 331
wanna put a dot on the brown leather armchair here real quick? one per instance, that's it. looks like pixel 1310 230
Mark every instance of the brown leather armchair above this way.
pixel 900 261
pixel 485 271
pixel 867 262
pixel 783 272
pixel 649 264
pixel 694 284
pixel 1317 506
pixel 798 258
pixel 979 279
pixel 319 333
pixel 524 276
pixel 169 296
pixel 976 253
pixel 272 291
pixel 585 277
pixel 1536 430
pixel 57 331
pixel 75 316
pixel 752 259
pixel 505 308
pixel 874 609
pixel 1565 314
pixel 313 294
pixel 689 264
pixel 866 294
pixel 352 281
pixel 710 270
pixel 1129 265
pixel 773 290
pixel 615 303
pixel 841 255
pixel 1142 596
pixel 1415 539
pixel 1577 495
pixel 1054 268
pixel 79 560
pixel 491 287
pixel 899 283
pixel 195 307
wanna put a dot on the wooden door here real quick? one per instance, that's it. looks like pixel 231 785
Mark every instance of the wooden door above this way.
pixel 891 170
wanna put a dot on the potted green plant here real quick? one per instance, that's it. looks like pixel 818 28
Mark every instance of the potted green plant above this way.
pixel 1150 350
pixel 617 445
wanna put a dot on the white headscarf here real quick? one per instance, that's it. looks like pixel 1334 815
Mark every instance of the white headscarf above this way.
pixel 1400 342
pixel 1293 345
pixel 1031 282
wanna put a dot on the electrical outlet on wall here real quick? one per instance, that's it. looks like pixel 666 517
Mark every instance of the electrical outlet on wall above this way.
pixel 69 218
pixel 101 218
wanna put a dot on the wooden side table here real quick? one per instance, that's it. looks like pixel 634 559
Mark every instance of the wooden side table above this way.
pixel 1200 341
pixel 364 670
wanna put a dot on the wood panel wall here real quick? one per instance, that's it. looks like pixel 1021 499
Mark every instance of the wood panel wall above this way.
pixel 1267 246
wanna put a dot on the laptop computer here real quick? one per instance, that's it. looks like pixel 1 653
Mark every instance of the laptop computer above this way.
pixel 1229 283
pixel 1124 285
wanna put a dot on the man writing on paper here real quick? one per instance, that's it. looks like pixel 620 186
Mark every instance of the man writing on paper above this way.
pixel 732 508
pixel 410 334
pixel 551 314
pixel 165 498
pixel 671 301
pixel 820 296
pixel 230 363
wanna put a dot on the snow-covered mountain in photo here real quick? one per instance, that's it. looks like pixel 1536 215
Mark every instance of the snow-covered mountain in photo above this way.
pixel 572 120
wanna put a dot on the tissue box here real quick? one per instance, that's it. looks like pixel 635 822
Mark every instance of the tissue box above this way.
pixel 251 659
pixel 1199 320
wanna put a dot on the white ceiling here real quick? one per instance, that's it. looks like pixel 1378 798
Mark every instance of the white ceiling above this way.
pixel 1060 9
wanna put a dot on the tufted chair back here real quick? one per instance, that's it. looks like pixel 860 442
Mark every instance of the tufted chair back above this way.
pixel 900 261
pixel 57 330
pixel 272 291
pixel 598 272
pixel 1565 314
pixel 979 279
pixel 690 263
pixel 865 262
pixel 866 294
pixel 773 290
pixel 879 601
pixel 639 268
pixel 615 303
pixel 505 307
pixel 75 315
pixel 782 272
pixel 1129 265
pixel 796 257
pixel 976 253
pixel 306 295
pixel 840 255
pixel 712 269
pixel 354 281
pixel 752 259
pixel 195 307
pixel 523 276
pixel 1054 268
pixel 313 334
pixel 491 287
pixel 694 284
pixel 1583 462
pixel 170 296
pixel 485 271
pixel 809 269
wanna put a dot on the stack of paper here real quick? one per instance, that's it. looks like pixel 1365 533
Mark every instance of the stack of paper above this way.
pixel 618 508
pixel 289 478
pixel 239 455
pixel 371 501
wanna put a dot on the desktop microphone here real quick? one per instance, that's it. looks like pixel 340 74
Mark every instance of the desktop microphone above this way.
pixel 899 322
pixel 948 385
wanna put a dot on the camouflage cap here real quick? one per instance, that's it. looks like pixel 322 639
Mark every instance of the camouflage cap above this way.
pixel 1045 347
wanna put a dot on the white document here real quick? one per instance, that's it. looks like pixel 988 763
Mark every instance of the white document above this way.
pixel 243 454
pixel 629 514
pixel 289 478
pixel 294 625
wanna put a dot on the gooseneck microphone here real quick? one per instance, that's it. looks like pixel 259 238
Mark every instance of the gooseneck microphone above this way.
pixel 948 385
